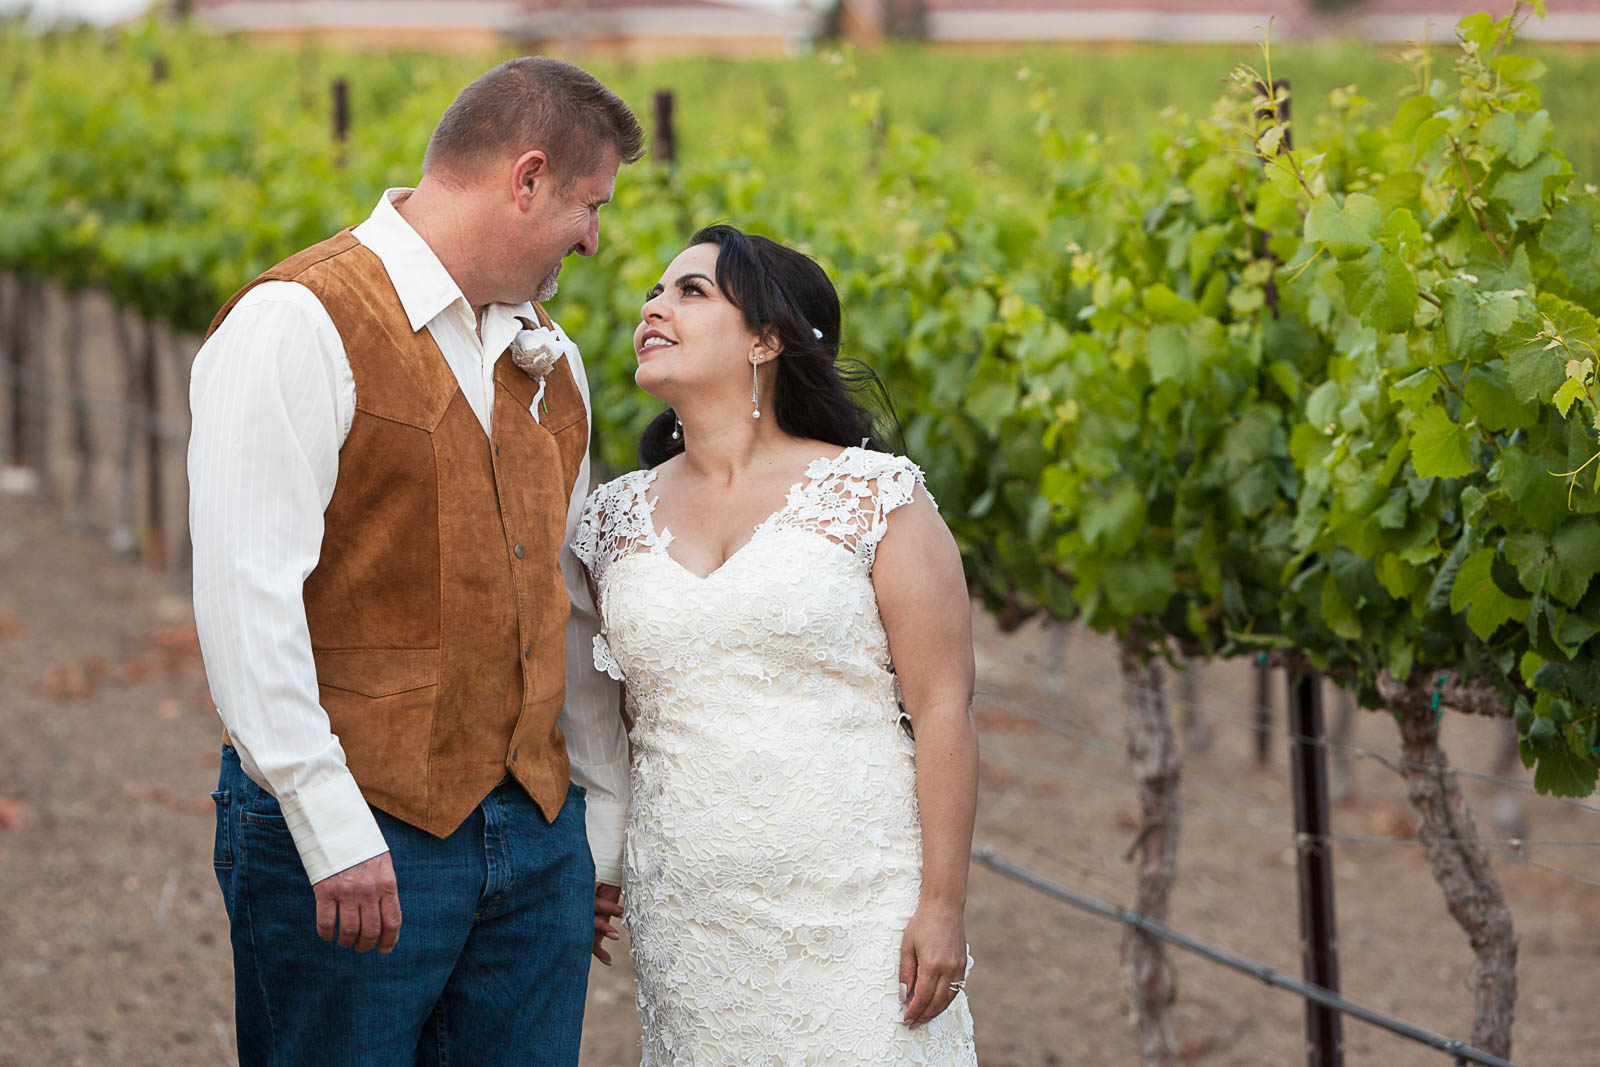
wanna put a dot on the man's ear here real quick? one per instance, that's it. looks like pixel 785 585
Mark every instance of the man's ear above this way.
pixel 528 173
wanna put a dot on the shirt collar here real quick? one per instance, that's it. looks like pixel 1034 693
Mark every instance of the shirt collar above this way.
pixel 425 288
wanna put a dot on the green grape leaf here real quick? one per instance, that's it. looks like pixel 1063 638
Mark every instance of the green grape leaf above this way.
pixel 1392 516
pixel 1442 590
pixel 1337 612
pixel 1532 138
pixel 991 402
pixel 1542 734
pixel 1465 335
pixel 1475 592
pixel 1505 576
pixel 1138 586
pixel 1523 190
pixel 1322 406
pixel 1494 404
pixel 1576 679
pixel 1527 666
pixel 1564 773
pixel 1520 143
pixel 1398 578
pixel 1401 229
pixel 1499 277
pixel 1580 734
pixel 1428 132
pixel 1163 303
pixel 1499 311
pixel 1398 190
pixel 1570 391
pixel 1168 354
pixel 1499 133
pixel 1412 112
pixel 1576 630
pixel 1209 185
pixel 1440 448
pixel 1415 391
pixel 1514 68
pixel 1535 365
pixel 1480 30
pixel 1346 230
pixel 1572 236
pixel 1541 498
pixel 1114 523
pixel 1562 564
pixel 1381 290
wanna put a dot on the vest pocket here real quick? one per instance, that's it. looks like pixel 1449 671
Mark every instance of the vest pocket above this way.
pixel 377 672
pixel 381 704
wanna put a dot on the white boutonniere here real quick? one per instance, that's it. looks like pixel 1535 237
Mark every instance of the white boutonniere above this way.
pixel 536 350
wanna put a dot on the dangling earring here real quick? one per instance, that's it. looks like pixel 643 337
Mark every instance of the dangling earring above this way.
pixel 677 428
pixel 755 385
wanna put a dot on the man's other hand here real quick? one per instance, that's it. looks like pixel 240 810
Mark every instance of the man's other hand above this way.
pixel 360 906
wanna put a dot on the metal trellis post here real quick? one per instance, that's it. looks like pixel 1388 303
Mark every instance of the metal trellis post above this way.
pixel 1308 763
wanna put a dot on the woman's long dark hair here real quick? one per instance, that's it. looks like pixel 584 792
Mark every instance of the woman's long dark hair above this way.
pixel 782 290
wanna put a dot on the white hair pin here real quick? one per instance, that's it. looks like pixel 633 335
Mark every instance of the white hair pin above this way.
pixel 817 333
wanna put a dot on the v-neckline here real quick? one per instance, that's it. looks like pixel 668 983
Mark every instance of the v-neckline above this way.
pixel 662 538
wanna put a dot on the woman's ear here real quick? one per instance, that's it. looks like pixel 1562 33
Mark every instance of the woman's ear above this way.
pixel 770 344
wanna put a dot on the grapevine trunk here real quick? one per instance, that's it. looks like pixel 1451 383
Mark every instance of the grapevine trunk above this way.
pixel 1461 868
pixel 1147 972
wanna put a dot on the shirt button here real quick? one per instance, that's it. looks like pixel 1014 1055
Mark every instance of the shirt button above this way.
pixel 497 450
pixel 513 755
pixel 527 651
pixel 517 551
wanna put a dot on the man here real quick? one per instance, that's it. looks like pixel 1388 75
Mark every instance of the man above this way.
pixel 379 504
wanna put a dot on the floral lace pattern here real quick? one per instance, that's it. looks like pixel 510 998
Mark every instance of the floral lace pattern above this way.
pixel 774 852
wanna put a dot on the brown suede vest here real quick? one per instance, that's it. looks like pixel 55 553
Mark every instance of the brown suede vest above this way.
pixel 437 609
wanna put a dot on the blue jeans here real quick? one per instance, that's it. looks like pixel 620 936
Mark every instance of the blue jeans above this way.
pixel 491 967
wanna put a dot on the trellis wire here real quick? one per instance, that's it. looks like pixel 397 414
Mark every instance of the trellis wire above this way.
pixel 1360 751
pixel 1514 845
pixel 1087 737
pixel 1464 1054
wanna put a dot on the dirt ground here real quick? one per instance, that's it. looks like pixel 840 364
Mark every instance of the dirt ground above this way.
pixel 113 941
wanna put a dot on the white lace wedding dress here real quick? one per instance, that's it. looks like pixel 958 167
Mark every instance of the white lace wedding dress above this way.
pixel 773 845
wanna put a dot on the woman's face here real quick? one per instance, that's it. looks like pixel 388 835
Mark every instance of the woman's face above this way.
pixel 692 340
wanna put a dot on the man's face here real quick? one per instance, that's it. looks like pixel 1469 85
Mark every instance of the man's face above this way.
pixel 565 218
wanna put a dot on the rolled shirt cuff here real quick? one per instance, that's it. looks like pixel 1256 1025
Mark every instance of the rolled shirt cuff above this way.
pixel 606 821
pixel 332 826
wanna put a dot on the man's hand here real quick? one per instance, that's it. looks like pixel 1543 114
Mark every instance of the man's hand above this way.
pixel 360 906
pixel 607 906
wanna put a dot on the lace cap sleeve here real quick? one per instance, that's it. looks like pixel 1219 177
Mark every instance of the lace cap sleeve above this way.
pixel 851 498
pixel 586 538
pixel 594 541
pixel 898 482
pixel 614 523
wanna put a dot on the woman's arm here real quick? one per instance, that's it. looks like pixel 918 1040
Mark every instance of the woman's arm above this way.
pixel 922 597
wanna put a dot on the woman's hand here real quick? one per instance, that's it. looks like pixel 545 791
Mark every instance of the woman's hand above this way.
pixel 933 956
pixel 607 906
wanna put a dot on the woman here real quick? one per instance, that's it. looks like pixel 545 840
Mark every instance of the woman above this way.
pixel 770 592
